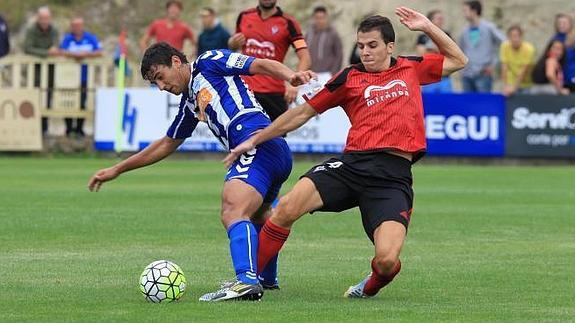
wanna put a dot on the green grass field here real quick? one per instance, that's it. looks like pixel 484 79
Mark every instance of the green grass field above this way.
pixel 485 244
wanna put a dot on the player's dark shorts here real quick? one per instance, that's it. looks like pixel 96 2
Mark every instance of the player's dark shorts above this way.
pixel 378 182
pixel 274 104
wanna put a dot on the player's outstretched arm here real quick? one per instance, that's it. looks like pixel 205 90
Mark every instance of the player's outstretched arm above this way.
pixel 279 71
pixel 155 152
pixel 454 59
pixel 288 121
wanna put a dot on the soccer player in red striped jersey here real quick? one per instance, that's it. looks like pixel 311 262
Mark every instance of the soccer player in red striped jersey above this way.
pixel 382 98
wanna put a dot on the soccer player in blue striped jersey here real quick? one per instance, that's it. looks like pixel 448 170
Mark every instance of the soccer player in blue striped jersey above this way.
pixel 213 92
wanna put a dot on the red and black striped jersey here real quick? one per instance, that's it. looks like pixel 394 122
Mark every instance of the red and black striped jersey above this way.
pixel 385 108
pixel 268 38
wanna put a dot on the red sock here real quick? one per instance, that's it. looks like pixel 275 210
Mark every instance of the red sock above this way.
pixel 271 240
pixel 377 281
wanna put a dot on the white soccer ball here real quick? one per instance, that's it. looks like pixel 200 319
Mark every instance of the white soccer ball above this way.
pixel 162 281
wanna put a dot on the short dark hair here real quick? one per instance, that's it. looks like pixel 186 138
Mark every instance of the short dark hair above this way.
pixel 159 54
pixel 515 27
pixel 319 9
pixel 176 3
pixel 210 10
pixel 380 23
pixel 475 6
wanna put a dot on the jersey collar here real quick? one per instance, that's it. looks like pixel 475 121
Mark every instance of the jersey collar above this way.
pixel 278 13
pixel 361 68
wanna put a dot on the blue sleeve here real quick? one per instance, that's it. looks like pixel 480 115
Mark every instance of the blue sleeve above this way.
pixel 223 62
pixel 95 43
pixel 184 123
pixel 65 44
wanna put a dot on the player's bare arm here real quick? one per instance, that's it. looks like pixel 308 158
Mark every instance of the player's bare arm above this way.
pixel 304 63
pixel 455 59
pixel 155 152
pixel 288 121
pixel 280 71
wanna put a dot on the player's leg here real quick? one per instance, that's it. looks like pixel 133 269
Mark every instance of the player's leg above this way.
pixel 239 201
pixel 322 188
pixel 268 276
pixel 385 219
pixel 302 199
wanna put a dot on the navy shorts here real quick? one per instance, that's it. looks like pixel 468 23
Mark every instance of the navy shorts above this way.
pixel 265 168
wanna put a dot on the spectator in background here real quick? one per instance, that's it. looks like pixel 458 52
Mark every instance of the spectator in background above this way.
pixel 170 29
pixel 4 37
pixel 425 45
pixel 517 57
pixel 79 45
pixel 267 32
pixel 214 35
pixel 480 42
pixel 564 33
pixel 42 40
pixel 548 72
pixel 324 43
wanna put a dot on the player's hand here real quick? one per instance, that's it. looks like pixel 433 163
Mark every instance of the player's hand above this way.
pixel 101 176
pixel 238 40
pixel 300 78
pixel 54 51
pixel 412 19
pixel 290 94
pixel 238 151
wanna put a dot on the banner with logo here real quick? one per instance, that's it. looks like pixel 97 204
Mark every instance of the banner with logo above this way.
pixel 148 113
pixel 541 126
pixel 20 127
pixel 465 124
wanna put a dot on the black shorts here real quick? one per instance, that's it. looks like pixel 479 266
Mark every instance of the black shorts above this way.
pixel 274 104
pixel 378 182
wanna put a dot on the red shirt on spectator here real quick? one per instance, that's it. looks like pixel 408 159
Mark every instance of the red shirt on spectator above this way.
pixel 269 38
pixel 385 109
pixel 173 33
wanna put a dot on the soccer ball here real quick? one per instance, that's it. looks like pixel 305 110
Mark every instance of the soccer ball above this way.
pixel 162 281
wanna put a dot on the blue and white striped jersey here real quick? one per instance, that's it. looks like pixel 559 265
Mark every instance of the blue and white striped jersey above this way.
pixel 217 89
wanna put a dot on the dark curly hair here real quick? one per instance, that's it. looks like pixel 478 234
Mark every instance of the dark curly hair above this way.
pixel 159 54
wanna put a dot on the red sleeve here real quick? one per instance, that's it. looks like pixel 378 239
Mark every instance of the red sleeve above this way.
pixel 152 29
pixel 295 34
pixel 332 94
pixel 429 68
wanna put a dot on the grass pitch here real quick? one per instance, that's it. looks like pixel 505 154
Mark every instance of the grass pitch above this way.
pixel 486 244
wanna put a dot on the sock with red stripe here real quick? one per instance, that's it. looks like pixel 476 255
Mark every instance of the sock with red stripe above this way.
pixel 271 240
pixel 377 281
pixel 268 276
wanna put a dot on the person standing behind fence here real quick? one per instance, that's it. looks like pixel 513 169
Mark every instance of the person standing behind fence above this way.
pixel 517 57
pixel 79 45
pixel 214 35
pixel 324 44
pixel 480 42
pixel 267 32
pixel 4 37
pixel 170 30
pixel 425 45
pixel 42 40
pixel 564 33
pixel 548 71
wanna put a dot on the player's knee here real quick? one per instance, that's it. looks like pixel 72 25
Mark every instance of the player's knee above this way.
pixel 385 263
pixel 230 216
pixel 286 212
